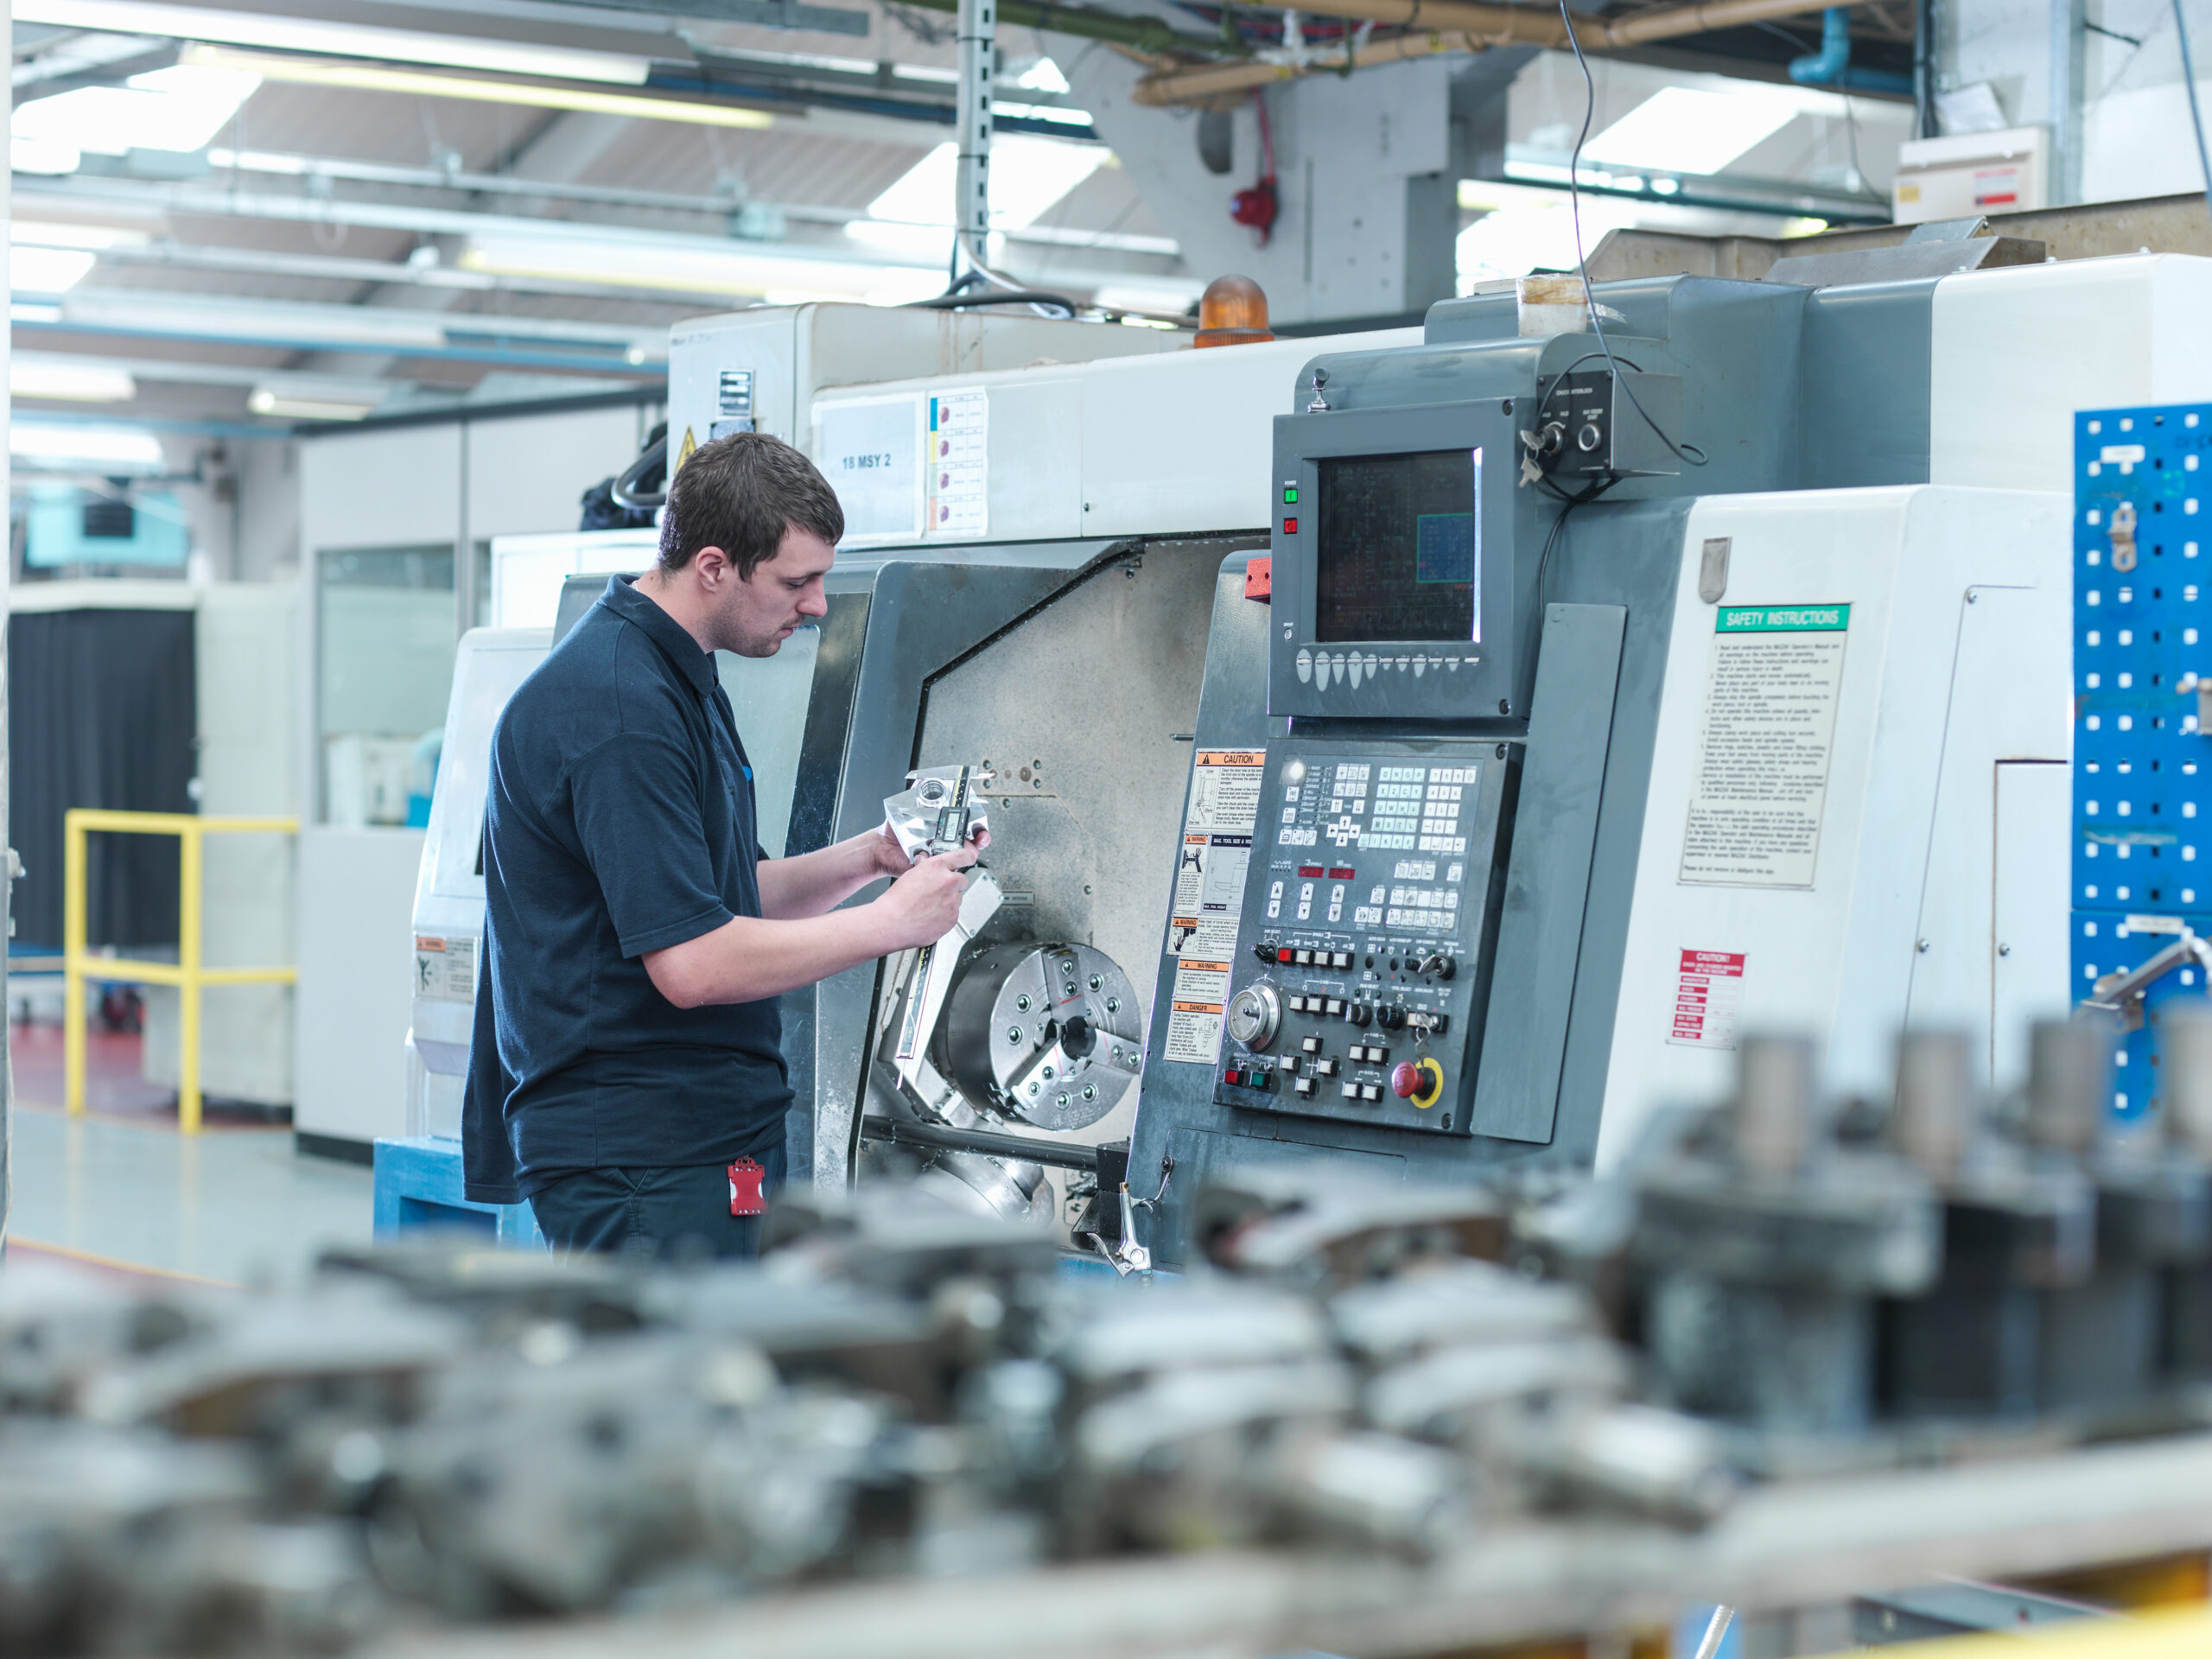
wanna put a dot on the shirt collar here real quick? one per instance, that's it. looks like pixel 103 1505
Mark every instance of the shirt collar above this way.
pixel 679 647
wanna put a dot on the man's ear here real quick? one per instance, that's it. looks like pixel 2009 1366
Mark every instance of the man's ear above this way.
pixel 714 566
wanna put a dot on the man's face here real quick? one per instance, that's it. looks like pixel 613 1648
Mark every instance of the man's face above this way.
pixel 759 612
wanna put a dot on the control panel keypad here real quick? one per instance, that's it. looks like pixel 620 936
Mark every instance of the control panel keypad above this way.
pixel 1365 943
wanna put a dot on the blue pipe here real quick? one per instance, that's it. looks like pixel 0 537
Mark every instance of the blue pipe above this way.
pixel 1831 65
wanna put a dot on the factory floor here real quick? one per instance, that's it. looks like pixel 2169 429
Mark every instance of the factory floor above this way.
pixel 120 1190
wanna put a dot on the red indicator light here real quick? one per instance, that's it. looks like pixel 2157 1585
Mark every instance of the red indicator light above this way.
pixel 1340 875
pixel 1309 869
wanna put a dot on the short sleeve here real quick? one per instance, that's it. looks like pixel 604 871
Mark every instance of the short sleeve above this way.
pixel 636 799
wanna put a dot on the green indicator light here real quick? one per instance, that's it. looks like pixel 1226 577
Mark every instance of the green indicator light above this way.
pixel 1290 495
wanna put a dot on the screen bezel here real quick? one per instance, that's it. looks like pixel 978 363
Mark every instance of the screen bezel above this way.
pixel 1301 442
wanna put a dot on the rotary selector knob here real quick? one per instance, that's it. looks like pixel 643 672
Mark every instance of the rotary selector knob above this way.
pixel 1390 1017
pixel 1254 1014
pixel 1358 1013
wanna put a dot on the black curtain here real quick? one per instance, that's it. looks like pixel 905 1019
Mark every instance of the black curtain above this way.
pixel 101 712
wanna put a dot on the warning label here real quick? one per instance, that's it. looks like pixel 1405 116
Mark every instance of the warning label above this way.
pixel 1217 849
pixel 1194 1015
pixel 445 969
pixel 1762 777
pixel 1708 995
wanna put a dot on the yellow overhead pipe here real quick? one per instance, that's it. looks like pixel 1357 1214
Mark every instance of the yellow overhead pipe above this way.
pixel 1462 26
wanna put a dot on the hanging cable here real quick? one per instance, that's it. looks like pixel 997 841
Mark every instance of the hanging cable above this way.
pixel 2196 115
pixel 1683 452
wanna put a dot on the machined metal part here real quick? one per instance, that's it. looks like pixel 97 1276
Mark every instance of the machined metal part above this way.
pixel 941 811
pixel 1933 1118
pixel 1022 1147
pixel 920 982
pixel 1048 1033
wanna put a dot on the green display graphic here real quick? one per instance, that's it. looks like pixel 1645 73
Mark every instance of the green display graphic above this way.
pixel 1782 618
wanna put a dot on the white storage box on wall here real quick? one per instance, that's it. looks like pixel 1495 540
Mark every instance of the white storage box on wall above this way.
pixel 1970 173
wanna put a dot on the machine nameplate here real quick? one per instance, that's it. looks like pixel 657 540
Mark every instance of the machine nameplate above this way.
pixel 1764 745
pixel 870 449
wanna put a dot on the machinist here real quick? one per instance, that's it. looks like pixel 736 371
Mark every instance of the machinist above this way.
pixel 626 1071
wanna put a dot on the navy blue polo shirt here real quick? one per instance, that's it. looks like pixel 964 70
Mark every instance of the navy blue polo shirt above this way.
pixel 619 820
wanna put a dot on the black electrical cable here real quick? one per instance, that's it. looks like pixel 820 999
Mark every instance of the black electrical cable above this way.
pixel 2196 115
pixel 1683 452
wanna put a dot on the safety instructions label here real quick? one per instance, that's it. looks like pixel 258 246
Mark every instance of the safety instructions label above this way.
pixel 1762 777
pixel 445 969
pixel 1194 1012
pixel 1708 995
pixel 958 485
pixel 1215 851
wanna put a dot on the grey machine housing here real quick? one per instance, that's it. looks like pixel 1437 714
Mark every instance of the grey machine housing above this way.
pixel 1072 667
pixel 1549 718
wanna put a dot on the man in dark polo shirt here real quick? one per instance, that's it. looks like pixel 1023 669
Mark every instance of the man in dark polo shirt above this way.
pixel 627 1044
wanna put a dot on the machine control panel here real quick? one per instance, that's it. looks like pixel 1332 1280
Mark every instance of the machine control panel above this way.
pixel 1363 961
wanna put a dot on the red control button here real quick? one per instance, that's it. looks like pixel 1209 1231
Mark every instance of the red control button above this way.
pixel 1283 954
pixel 1405 1079
pixel 1290 526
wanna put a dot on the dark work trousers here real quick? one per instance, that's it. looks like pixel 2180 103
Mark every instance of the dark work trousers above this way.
pixel 665 1215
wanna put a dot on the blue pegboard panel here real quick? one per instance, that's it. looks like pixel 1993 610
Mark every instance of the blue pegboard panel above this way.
pixel 2142 769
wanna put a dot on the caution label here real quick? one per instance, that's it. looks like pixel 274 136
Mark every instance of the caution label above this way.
pixel 1708 997
pixel 445 969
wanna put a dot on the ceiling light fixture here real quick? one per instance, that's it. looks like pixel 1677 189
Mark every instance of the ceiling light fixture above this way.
pixel 73 383
pixel 269 400
pixel 125 448
pixel 179 109
pixel 47 270
pixel 39 233
pixel 368 78
pixel 704 271
pixel 338 40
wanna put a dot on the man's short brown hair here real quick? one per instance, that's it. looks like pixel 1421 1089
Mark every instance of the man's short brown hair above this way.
pixel 742 493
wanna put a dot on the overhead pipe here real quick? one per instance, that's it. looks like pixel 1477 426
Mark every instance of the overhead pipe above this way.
pixel 1831 65
pixel 1469 25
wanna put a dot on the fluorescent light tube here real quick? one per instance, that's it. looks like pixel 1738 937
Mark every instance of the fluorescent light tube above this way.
pixel 338 40
pixel 370 78
pixel 70 381
pixel 90 446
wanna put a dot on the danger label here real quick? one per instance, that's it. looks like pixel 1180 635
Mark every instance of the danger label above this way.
pixel 1708 995
pixel 1194 1013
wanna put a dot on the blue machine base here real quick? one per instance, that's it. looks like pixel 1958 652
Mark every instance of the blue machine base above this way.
pixel 419 1189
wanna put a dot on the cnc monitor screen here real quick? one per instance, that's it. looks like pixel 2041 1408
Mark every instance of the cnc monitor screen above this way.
pixel 1398 551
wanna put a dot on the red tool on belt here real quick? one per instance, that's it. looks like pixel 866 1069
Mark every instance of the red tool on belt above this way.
pixel 746 1198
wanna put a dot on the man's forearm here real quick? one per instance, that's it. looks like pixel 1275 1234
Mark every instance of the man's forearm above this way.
pixel 814 882
pixel 748 959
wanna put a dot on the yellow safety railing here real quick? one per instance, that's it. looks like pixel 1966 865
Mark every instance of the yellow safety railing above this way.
pixel 186 973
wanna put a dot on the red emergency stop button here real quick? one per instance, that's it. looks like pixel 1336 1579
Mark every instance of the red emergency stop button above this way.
pixel 1419 1081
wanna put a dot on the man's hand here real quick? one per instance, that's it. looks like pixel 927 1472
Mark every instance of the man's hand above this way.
pixel 890 858
pixel 924 902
